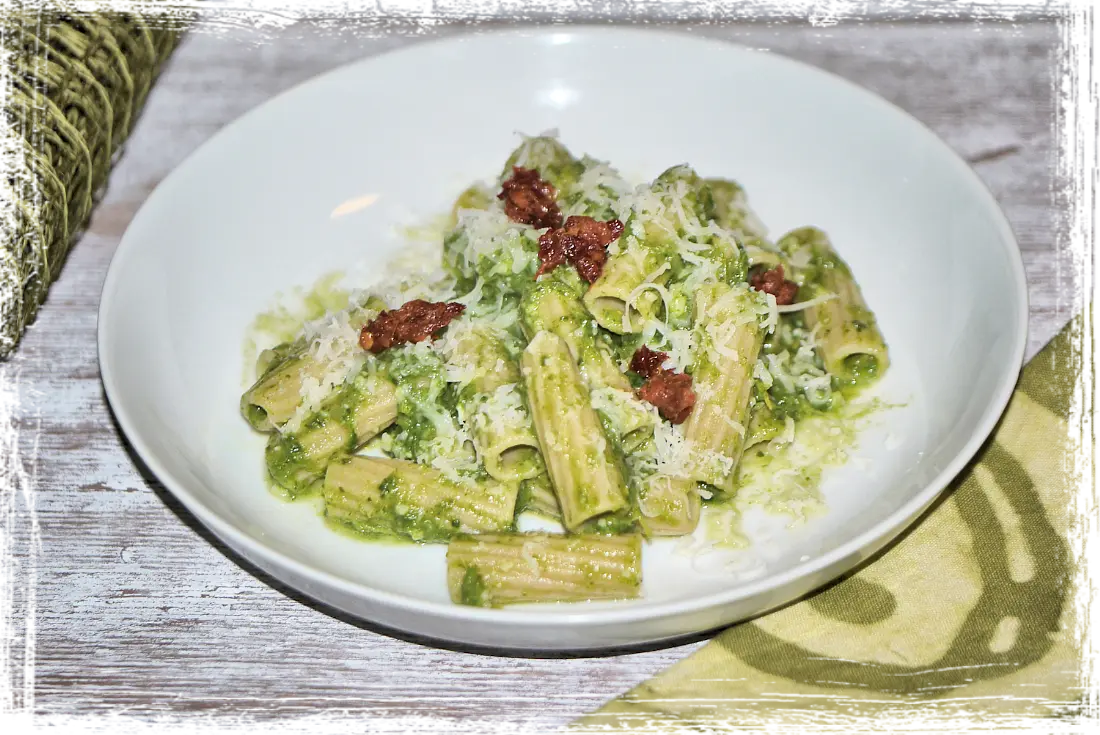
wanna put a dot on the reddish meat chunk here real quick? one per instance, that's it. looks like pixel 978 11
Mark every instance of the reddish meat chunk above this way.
pixel 773 282
pixel 530 200
pixel 671 393
pixel 647 362
pixel 416 321
pixel 582 242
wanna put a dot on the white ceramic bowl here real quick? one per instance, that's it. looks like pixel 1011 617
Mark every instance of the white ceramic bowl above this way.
pixel 251 213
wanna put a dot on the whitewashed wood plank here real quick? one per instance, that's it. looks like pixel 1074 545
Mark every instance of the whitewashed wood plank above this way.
pixel 652 10
pixel 138 608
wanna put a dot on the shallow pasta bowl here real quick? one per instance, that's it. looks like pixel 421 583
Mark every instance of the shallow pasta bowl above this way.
pixel 325 175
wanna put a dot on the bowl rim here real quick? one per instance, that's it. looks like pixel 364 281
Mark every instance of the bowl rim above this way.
pixel 569 616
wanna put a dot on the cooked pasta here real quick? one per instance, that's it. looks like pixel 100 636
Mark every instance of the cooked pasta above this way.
pixel 495 570
pixel 586 351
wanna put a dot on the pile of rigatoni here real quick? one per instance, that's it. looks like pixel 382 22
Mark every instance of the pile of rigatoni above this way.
pixel 608 354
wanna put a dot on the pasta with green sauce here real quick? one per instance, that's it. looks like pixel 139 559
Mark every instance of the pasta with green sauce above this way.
pixel 593 353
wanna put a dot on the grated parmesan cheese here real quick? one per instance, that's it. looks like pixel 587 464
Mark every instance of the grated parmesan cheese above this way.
pixel 332 342
pixel 789 308
pixel 632 298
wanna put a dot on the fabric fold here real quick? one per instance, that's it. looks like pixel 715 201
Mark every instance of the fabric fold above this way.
pixel 971 613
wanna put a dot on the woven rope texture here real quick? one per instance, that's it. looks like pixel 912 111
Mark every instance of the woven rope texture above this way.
pixel 72 88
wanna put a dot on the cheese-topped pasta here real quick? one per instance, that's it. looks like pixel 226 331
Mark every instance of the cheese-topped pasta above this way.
pixel 594 352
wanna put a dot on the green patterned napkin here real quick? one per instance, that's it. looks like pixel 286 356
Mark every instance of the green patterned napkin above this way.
pixel 970 615
pixel 73 87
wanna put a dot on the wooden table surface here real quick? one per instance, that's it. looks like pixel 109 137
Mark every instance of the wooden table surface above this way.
pixel 138 609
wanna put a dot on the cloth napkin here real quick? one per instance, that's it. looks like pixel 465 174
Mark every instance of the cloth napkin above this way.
pixel 76 85
pixel 968 618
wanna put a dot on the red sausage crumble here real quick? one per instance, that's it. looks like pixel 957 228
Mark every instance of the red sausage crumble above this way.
pixel 773 282
pixel 582 242
pixel 647 362
pixel 415 321
pixel 669 391
pixel 529 200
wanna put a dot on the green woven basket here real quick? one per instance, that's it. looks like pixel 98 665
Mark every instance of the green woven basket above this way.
pixel 72 88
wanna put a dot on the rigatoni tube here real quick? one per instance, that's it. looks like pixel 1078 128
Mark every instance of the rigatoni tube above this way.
pixel 665 220
pixel 552 305
pixel 848 337
pixel 493 402
pixel 491 571
pixel 668 506
pixel 619 300
pixel 347 420
pixel 729 337
pixel 537 496
pixel 582 465
pixel 378 496
pixel 272 400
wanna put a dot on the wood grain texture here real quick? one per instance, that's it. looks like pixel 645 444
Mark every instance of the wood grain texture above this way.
pixel 666 11
pixel 138 608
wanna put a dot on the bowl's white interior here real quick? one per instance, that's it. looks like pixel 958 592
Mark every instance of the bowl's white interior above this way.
pixel 252 214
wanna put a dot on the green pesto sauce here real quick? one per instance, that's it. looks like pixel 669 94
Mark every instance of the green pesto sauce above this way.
pixel 255 414
pixel 721 524
pixel 733 262
pixel 365 530
pixel 781 402
pixel 764 425
pixel 296 475
pixel 474 590
pixel 394 518
pixel 785 404
pixel 424 525
pixel 529 461
pixel 623 347
pixel 824 439
pixel 681 302
pixel 413 431
pixel 595 342
pixel 287 463
pixel 498 273
pixel 525 502
pixel 496 270
pixel 342 410
pixel 561 290
pixel 421 384
pixel 617 523
pixel 658 248
pixel 860 371
pixel 432 525
pixel 278 490
pixel 615 452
